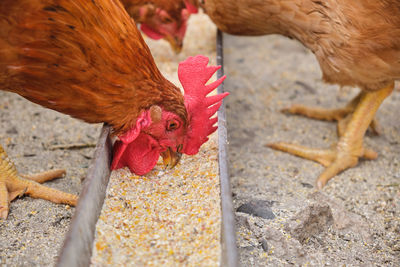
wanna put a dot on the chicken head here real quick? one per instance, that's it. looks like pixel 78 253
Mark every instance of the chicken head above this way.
pixel 160 132
pixel 158 23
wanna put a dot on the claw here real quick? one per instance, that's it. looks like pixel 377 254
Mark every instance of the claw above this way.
pixel 322 156
pixel 352 128
pixel 13 185
pixel 3 213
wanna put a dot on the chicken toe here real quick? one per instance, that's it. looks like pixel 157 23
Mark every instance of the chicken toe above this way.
pixel 13 185
pixel 335 159
pixel 349 149
pixel 318 113
pixel 341 115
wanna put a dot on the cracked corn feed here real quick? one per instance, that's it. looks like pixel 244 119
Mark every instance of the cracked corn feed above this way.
pixel 166 218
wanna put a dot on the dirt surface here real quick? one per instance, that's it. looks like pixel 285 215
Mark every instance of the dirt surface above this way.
pixel 166 217
pixel 34 231
pixel 354 220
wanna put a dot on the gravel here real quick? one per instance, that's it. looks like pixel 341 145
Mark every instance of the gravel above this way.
pixel 354 220
pixel 34 231
pixel 166 218
pixel 265 74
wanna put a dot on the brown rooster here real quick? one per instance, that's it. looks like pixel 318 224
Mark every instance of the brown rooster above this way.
pixel 87 59
pixel 162 19
pixel 357 43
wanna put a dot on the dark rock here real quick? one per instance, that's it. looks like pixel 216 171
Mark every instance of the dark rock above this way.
pixel 312 220
pixel 264 245
pixel 12 130
pixel 306 86
pixel 307 185
pixel 259 208
pixel 60 218
pixel 248 248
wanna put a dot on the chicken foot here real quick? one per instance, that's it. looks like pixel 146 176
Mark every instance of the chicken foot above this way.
pixel 13 185
pixel 341 115
pixel 349 148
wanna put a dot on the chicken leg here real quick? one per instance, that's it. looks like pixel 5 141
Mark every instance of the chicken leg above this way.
pixel 350 147
pixel 13 185
pixel 341 115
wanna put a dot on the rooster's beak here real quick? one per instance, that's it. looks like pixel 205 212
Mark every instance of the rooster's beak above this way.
pixel 170 158
pixel 176 43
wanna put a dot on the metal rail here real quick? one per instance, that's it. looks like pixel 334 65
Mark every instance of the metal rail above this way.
pixel 78 244
pixel 229 255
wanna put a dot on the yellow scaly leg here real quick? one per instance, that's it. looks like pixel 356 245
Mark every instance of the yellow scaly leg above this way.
pixel 13 185
pixel 341 115
pixel 346 152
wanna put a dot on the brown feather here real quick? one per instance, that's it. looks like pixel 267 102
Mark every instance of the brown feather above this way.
pixel 357 43
pixel 173 7
pixel 83 58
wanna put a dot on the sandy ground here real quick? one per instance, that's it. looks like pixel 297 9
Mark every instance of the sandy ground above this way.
pixel 354 220
pixel 34 231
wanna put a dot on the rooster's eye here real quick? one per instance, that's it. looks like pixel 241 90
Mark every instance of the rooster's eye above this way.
pixel 166 20
pixel 172 125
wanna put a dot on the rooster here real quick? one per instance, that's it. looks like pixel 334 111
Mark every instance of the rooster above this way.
pixel 357 43
pixel 87 59
pixel 162 19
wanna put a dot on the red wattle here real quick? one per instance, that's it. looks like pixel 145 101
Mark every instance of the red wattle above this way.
pixel 140 156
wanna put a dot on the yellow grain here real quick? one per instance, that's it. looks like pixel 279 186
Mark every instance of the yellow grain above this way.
pixel 166 218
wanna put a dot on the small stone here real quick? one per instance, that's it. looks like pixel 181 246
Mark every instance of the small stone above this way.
pixel 312 220
pixel 248 248
pixel 396 247
pixel 306 185
pixel 12 130
pixel 258 208
pixel 288 249
pixel 242 221
pixel 344 220
pixel 264 245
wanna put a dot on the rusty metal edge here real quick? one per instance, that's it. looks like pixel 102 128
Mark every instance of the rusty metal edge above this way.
pixel 229 256
pixel 78 244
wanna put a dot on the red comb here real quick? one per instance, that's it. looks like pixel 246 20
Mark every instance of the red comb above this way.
pixel 193 74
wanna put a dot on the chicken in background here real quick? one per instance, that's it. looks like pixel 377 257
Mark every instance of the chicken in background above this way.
pixel 162 19
pixel 357 43
pixel 87 59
